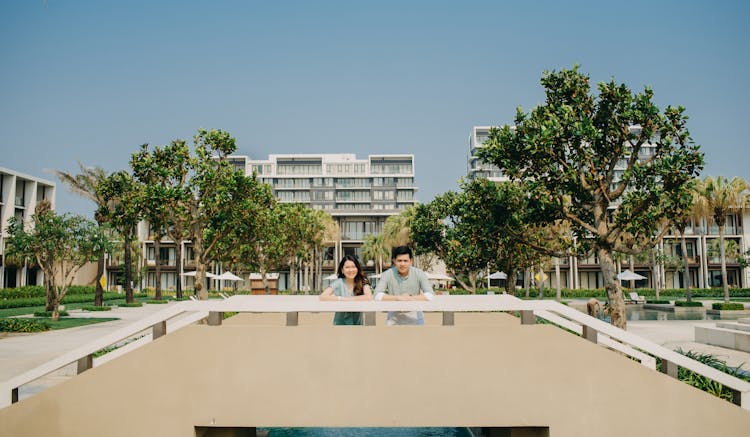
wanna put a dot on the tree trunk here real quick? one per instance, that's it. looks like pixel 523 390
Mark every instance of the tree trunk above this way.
pixel 510 281
pixel 540 283
pixel 558 292
pixel 50 306
pixel 655 273
pixel 200 269
pixel 157 273
pixel 526 281
pixel 686 274
pixel 724 281
pixel 178 282
pixel 292 276
pixel 128 267
pixel 99 294
pixel 612 287
pixel 632 269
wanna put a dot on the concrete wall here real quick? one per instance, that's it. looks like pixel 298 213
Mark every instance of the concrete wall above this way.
pixel 488 370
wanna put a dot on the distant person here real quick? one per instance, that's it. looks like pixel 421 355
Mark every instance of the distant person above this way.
pixel 403 282
pixel 351 284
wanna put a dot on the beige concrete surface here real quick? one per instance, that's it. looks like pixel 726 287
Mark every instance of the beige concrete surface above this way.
pixel 488 371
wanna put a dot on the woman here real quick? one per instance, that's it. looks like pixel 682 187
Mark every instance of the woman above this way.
pixel 351 284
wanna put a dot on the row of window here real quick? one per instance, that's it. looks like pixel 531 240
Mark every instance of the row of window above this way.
pixel 332 169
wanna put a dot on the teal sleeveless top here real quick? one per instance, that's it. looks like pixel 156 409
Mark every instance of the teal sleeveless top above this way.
pixel 340 289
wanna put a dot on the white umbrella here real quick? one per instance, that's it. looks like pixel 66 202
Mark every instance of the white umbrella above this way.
pixel 499 275
pixel 331 277
pixel 439 277
pixel 373 276
pixel 627 275
pixel 229 276
pixel 194 272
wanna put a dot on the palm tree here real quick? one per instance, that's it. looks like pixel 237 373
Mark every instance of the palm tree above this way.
pixel 397 228
pixel 84 184
pixel 716 199
pixel 374 248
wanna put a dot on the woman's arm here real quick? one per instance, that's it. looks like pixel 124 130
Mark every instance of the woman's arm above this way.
pixel 327 294
pixel 366 294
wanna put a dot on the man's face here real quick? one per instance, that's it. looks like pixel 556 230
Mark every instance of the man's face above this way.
pixel 403 262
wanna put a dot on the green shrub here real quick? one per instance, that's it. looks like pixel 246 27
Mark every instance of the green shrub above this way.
pixel 705 384
pixel 95 308
pixel 155 301
pixel 658 302
pixel 131 305
pixel 23 325
pixel 682 303
pixel 727 306
pixel 49 314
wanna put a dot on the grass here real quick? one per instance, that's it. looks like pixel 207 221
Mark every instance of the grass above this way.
pixel 72 322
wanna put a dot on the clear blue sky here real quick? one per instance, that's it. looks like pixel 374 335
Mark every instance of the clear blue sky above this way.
pixel 92 80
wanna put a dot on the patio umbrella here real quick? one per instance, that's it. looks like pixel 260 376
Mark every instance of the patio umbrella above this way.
pixel 229 276
pixel 331 277
pixel 499 275
pixel 439 277
pixel 193 273
pixel 627 275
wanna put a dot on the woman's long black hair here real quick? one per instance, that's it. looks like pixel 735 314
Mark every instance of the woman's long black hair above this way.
pixel 360 280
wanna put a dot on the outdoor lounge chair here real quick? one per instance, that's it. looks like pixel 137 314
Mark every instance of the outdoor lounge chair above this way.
pixel 635 298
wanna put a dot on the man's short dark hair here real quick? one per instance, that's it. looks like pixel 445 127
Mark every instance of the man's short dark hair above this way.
pixel 401 250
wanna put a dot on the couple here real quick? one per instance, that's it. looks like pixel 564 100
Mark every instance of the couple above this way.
pixel 401 282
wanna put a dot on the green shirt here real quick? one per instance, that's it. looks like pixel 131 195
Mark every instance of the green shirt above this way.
pixel 340 289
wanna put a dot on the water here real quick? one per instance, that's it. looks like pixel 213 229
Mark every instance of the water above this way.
pixel 368 432
pixel 636 313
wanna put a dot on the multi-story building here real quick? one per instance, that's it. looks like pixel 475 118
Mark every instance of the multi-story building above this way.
pixel 360 194
pixel 701 242
pixel 476 167
pixel 19 195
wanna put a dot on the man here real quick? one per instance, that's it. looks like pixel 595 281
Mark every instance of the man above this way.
pixel 403 282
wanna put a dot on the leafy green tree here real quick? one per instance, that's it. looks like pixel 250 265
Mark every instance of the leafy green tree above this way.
pixel 614 163
pixel 122 210
pixel 717 198
pixel 375 249
pixel 220 201
pixel 59 244
pixel 84 184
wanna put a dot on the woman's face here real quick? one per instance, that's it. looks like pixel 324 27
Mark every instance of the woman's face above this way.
pixel 349 269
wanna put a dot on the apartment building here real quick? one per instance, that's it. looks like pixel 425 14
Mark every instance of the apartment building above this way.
pixel 701 242
pixel 359 193
pixel 19 195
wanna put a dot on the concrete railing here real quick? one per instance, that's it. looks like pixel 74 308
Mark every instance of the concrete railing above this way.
pixel 592 329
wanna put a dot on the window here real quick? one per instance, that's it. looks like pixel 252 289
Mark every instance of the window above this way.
pixel 20 193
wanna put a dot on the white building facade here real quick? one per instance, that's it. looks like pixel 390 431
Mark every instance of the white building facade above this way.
pixel 19 195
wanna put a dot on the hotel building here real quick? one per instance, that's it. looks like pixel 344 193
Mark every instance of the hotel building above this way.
pixel 19 195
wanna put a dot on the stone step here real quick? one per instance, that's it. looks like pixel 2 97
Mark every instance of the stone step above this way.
pixel 745 320
pixel 728 338
pixel 734 325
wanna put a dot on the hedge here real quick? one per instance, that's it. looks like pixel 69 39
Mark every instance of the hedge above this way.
pixel 659 302
pixel 682 303
pixel 76 298
pixel 727 306
pixel 31 291
pixel 12 324
pixel 49 314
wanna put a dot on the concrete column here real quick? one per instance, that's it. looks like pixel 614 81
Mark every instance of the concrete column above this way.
pixel 159 329
pixel 292 319
pixel 215 318
pixel 669 368
pixel 448 318
pixel 370 318
pixel 528 317
pixel 590 334
pixel 85 363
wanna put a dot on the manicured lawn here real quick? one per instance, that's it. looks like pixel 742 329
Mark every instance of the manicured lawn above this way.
pixel 72 322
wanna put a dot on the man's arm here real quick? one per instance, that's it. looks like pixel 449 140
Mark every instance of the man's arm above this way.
pixel 425 287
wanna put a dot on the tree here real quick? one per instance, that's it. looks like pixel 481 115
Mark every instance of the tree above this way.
pixel 84 184
pixel 122 210
pixel 374 248
pixel 397 228
pixel 717 198
pixel 614 163
pixel 220 201
pixel 59 244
